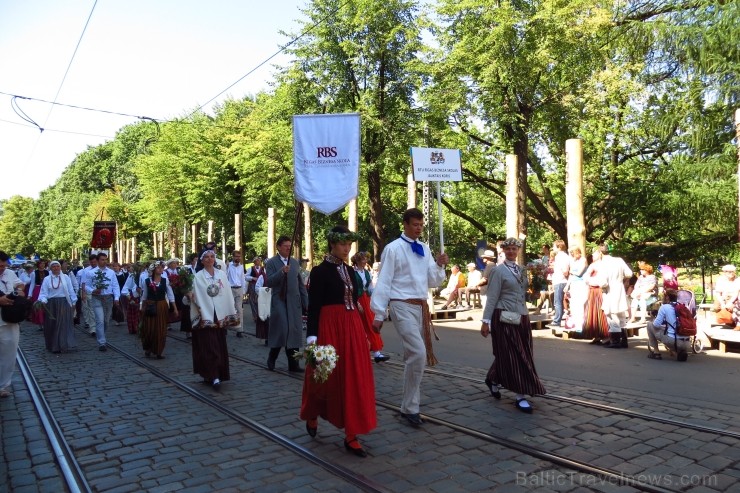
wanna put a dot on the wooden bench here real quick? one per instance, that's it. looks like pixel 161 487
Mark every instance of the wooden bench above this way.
pixel 632 330
pixel 720 336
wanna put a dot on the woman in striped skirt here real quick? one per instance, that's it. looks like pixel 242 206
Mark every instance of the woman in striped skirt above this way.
pixel 594 325
pixel 59 298
pixel 506 318
pixel 156 297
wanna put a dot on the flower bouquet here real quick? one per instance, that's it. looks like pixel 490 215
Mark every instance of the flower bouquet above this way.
pixel 182 282
pixel 538 275
pixel 322 359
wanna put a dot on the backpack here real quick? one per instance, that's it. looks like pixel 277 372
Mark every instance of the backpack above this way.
pixel 685 321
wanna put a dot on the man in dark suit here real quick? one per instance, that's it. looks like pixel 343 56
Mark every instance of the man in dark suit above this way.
pixel 288 303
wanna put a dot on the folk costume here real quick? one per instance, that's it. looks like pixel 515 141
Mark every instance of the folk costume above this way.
pixel 211 311
pixel 364 279
pixel 513 366
pixel 595 325
pixel 347 398
pixel 37 316
pixel 408 271
pixel 155 304
pixel 59 296
pixel 132 292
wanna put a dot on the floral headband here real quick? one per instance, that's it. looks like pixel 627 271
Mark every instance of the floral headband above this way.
pixel 337 237
pixel 511 242
pixel 154 265
pixel 206 253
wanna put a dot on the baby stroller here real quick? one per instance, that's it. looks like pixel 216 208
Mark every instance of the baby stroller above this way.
pixel 687 298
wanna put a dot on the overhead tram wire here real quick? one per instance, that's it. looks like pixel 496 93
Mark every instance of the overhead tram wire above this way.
pixel 61 84
pixel 283 48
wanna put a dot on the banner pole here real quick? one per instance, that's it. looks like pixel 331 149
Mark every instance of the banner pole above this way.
pixel 441 228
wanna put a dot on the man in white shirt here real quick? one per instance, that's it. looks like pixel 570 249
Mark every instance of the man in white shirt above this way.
pixel 9 333
pixel 560 271
pixel 102 299
pixel 407 272
pixel 235 272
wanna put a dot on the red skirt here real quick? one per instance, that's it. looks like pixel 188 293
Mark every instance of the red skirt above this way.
pixel 347 398
pixel 37 315
pixel 594 322
pixel 132 315
pixel 376 342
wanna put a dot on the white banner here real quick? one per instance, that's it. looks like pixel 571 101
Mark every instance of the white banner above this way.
pixel 431 164
pixel 326 156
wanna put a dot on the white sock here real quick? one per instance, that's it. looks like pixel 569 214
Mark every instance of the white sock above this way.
pixel 523 402
pixel 216 380
pixel 378 353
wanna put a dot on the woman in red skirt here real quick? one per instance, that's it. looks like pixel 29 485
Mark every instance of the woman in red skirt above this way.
pixel 594 325
pixel 37 279
pixel 359 261
pixel 347 398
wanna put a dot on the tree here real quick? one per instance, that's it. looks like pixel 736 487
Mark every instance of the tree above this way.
pixel 17 231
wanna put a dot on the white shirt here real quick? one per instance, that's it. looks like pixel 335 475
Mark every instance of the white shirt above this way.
pixel 404 275
pixel 474 278
pixel 235 273
pixel 57 287
pixel 129 287
pixel 24 277
pixel 560 267
pixel 112 288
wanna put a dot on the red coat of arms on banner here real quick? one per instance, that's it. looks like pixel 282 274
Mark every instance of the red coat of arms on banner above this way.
pixel 104 233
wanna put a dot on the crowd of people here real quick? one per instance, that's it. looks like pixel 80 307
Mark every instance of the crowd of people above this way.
pixel 342 304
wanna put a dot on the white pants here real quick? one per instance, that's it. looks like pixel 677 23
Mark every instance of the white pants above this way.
pixel 407 319
pixel 656 334
pixel 616 321
pixel 10 334
pixel 238 294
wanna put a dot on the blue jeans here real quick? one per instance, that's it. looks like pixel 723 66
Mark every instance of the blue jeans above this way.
pixel 102 306
pixel 558 302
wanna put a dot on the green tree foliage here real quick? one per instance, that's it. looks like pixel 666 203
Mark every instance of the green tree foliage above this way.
pixel 17 226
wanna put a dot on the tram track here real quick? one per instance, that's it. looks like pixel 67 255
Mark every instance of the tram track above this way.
pixel 602 407
pixel 607 474
pixel 63 455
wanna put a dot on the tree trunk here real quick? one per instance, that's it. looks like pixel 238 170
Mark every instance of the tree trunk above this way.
pixel 378 233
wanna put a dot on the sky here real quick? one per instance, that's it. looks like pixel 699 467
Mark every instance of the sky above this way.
pixel 155 58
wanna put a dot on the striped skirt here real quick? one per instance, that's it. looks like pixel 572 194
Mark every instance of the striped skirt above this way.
pixel 59 332
pixel 154 329
pixel 594 324
pixel 513 365
pixel 132 315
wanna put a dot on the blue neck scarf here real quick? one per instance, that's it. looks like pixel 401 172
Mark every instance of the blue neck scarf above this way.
pixel 415 246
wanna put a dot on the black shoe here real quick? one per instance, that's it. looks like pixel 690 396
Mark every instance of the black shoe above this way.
pixel 102 348
pixel 265 342
pixel 92 334
pixel 526 409
pixel 295 368
pixel 159 356
pixel 496 394
pixel 596 341
pixel 381 358
pixel 216 384
pixel 189 336
pixel 239 334
pixel 147 354
pixel 682 356
pixel 359 452
pixel 311 430
pixel 413 419
pixel 271 365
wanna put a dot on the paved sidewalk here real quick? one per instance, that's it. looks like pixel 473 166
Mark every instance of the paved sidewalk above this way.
pixel 132 431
